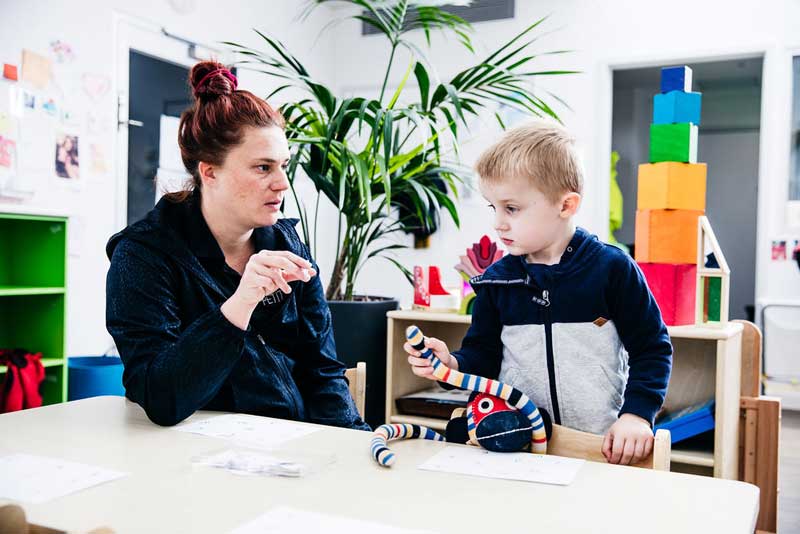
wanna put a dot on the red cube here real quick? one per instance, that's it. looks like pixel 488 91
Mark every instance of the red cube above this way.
pixel 673 286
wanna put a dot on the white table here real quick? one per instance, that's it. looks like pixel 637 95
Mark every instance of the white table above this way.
pixel 164 493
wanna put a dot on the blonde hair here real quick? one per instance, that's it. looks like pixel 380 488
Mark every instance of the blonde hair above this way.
pixel 541 152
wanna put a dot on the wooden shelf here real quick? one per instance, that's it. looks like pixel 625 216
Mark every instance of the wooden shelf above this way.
pixel 706 365
pixel 705 332
pixel 414 315
pixel 692 457
pixel 15 291
pixel 46 362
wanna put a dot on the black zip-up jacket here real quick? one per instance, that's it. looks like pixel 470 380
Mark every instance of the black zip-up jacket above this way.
pixel 165 286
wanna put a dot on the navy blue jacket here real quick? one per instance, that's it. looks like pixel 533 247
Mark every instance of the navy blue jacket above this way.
pixel 583 339
pixel 165 286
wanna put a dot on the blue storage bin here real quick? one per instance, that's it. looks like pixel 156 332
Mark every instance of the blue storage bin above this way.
pixel 688 422
pixel 92 376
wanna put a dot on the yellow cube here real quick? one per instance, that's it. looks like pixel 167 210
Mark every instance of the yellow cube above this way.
pixel 672 185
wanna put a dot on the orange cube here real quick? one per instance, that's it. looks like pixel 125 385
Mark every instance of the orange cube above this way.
pixel 666 236
pixel 672 185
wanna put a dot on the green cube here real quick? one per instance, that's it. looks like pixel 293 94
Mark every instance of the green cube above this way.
pixel 673 142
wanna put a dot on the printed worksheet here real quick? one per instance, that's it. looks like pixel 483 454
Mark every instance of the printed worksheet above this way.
pixel 289 520
pixel 37 479
pixel 249 430
pixel 506 465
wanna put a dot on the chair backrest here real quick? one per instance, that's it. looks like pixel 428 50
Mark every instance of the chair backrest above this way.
pixel 751 359
pixel 357 377
pixel 576 444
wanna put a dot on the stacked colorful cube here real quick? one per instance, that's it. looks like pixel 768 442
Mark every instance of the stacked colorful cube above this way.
pixel 671 197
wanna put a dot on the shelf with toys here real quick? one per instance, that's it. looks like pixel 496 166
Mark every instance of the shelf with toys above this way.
pixel 33 305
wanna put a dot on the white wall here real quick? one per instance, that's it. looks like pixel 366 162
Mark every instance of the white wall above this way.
pixel 87 25
pixel 618 33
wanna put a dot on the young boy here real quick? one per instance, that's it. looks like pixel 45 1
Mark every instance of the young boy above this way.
pixel 563 317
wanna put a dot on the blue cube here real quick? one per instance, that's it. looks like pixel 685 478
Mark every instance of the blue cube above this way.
pixel 676 79
pixel 676 106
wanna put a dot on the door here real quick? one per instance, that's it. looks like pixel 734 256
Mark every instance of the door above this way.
pixel 158 92
pixel 152 92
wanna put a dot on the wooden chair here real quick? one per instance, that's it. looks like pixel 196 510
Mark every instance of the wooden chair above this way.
pixel 13 521
pixel 759 431
pixel 751 359
pixel 583 445
pixel 576 444
pixel 357 378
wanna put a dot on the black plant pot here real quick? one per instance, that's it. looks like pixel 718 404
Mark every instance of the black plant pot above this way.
pixel 359 328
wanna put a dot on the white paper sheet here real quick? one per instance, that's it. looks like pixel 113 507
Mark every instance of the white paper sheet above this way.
pixel 38 479
pixel 248 430
pixel 37 144
pixel 511 466
pixel 290 520
pixel 169 153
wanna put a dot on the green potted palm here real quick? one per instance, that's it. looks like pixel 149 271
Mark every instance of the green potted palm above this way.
pixel 388 162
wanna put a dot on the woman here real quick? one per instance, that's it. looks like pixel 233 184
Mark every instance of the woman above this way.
pixel 212 299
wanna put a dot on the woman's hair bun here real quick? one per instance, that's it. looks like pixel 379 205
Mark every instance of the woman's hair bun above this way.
pixel 212 79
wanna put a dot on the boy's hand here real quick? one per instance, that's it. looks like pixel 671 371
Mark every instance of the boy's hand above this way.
pixel 628 441
pixel 422 366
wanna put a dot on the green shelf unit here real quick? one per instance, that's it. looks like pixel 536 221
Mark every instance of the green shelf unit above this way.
pixel 46 362
pixel 33 258
pixel 13 291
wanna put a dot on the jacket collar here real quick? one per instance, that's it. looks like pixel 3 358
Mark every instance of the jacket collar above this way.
pixel 513 270
pixel 203 243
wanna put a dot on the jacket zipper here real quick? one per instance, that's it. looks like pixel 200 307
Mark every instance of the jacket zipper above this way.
pixel 283 375
pixel 551 365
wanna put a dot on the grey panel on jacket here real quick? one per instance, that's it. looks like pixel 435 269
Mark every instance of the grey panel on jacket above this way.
pixel 591 370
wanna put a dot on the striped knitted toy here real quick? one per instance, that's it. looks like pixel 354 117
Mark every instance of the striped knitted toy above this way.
pixel 492 393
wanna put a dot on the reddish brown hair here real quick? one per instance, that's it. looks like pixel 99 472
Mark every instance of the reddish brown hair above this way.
pixel 216 121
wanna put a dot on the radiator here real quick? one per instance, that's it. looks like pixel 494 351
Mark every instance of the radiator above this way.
pixel 780 325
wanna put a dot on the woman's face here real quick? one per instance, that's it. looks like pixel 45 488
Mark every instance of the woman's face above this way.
pixel 251 182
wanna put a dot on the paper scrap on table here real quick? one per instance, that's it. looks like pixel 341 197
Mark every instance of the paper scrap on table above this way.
pixel 248 430
pixel 37 479
pixel 249 462
pixel 511 466
pixel 285 519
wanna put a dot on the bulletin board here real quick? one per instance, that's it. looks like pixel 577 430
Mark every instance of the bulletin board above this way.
pixel 51 129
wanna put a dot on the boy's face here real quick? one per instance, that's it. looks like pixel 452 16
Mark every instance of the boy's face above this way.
pixel 524 219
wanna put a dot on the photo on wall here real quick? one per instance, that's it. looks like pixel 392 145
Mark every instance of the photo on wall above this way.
pixel 67 164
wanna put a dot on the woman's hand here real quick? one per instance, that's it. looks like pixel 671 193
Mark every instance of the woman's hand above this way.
pixel 265 273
